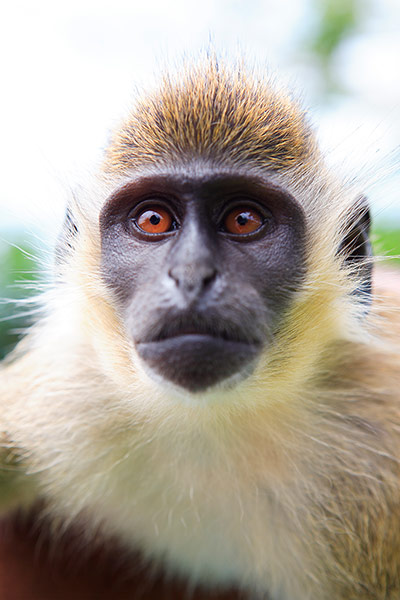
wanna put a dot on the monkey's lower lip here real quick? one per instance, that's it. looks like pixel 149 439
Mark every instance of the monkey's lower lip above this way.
pixel 197 361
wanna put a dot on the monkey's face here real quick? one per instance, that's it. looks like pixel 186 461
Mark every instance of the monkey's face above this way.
pixel 203 267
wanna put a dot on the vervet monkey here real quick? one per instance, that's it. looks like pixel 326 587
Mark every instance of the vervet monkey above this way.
pixel 215 385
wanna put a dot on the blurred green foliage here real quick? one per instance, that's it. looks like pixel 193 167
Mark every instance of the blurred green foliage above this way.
pixel 335 20
pixel 387 243
pixel 17 267
pixel 332 23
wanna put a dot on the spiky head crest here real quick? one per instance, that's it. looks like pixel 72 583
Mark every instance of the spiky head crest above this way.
pixel 214 112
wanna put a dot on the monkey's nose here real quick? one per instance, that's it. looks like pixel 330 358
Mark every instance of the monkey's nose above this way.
pixel 193 280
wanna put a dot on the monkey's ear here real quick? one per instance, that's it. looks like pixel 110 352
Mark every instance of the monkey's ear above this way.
pixel 66 241
pixel 356 248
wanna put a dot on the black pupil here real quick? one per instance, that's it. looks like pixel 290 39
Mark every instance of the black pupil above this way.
pixel 242 219
pixel 155 219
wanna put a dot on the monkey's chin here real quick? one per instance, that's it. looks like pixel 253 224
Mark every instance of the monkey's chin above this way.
pixel 198 362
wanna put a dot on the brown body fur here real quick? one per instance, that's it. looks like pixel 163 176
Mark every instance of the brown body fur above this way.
pixel 293 477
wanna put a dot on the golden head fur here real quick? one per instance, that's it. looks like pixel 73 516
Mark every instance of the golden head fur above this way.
pixel 216 113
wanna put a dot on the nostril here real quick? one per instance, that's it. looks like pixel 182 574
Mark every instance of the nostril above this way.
pixel 192 278
pixel 173 275
pixel 209 278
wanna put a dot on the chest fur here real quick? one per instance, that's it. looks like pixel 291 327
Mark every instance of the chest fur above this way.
pixel 206 504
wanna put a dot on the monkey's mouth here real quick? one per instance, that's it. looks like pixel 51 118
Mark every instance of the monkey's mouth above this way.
pixel 198 358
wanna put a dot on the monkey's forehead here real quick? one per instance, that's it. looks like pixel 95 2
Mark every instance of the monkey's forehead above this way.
pixel 217 113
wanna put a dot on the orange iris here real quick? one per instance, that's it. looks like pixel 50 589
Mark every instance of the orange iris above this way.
pixel 154 220
pixel 243 220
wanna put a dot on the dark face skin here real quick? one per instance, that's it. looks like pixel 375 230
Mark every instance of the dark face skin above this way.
pixel 203 268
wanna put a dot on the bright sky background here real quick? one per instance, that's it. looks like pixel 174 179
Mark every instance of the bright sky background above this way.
pixel 69 71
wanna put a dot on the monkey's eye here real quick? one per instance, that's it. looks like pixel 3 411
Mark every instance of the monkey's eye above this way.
pixel 154 220
pixel 243 220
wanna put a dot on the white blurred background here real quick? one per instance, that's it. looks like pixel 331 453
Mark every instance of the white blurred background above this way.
pixel 70 70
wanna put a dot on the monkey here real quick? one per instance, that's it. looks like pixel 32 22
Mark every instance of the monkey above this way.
pixel 209 406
